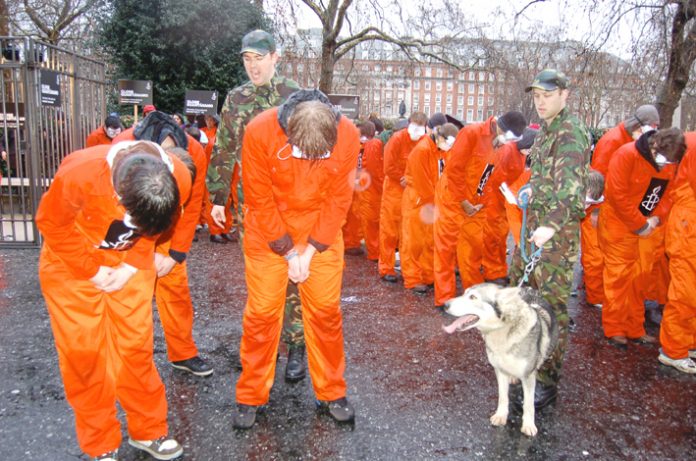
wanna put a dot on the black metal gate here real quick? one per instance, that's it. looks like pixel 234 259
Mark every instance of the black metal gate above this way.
pixel 34 136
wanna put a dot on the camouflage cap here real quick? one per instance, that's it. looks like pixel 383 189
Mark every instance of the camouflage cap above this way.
pixel 549 80
pixel 258 41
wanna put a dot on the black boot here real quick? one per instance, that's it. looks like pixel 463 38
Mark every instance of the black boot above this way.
pixel 544 394
pixel 295 370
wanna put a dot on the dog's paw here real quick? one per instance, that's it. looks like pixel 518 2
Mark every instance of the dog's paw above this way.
pixel 499 419
pixel 529 429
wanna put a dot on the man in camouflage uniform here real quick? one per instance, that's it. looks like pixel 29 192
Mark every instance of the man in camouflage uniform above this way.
pixel 263 91
pixel 559 165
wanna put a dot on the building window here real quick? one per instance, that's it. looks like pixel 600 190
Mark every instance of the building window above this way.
pixel 461 88
pixel 490 100
pixel 491 88
pixel 417 72
pixel 481 89
pixel 450 85
pixel 460 113
pixel 427 85
pixel 428 72
pixel 438 108
pixel 426 110
pixel 448 110
pixel 462 76
pixel 460 100
pixel 482 76
pixel 439 73
pixel 390 69
pixel 480 100
pixel 472 75
pixel 438 85
pixel 479 114
pixel 470 115
pixel 449 99
pixel 416 84
pixel 472 87
pixel 470 100
pixel 288 68
pixel 438 98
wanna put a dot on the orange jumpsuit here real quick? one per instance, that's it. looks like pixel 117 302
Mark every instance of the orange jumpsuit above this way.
pixel 172 291
pixel 97 137
pixel 352 229
pixel 104 340
pixel 370 197
pixel 634 191
pixel 423 169
pixel 458 236
pixel 678 327
pixel 592 259
pixel 508 168
pixel 395 155
pixel 292 202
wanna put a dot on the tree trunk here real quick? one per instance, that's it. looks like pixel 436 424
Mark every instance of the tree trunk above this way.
pixel 4 19
pixel 681 60
pixel 328 59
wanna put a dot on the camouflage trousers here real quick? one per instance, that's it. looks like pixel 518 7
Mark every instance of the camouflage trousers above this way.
pixel 293 329
pixel 553 278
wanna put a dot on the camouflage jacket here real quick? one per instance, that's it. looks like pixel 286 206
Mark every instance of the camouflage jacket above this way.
pixel 241 105
pixel 559 165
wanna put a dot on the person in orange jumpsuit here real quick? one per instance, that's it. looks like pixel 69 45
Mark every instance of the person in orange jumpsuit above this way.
pixel 172 292
pixel 395 155
pixel 678 327
pixel 423 170
pixel 99 220
pixel 370 182
pixel 591 256
pixel 458 229
pixel 645 118
pixel 298 160
pixel 105 133
pixel 352 228
pixel 636 202
pixel 508 168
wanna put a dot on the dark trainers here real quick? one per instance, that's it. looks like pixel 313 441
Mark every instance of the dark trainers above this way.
pixel 340 409
pixel 295 369
pixel 110 456
pixel 245 416
pixel 195 365
pixel 163 448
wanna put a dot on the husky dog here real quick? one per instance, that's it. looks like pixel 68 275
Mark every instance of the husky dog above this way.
pixel 520 331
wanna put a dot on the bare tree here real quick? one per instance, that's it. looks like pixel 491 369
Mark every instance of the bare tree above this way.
pixel 52 20
pixel 345 24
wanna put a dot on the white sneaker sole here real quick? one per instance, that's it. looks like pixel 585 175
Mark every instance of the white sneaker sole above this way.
pixel 669 362
pixel 161 456
pixel 197 373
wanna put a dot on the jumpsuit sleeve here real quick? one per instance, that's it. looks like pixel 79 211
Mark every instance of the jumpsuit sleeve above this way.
pixel 457 166
pixel 393 165
pixel 374 163
pixel 618 181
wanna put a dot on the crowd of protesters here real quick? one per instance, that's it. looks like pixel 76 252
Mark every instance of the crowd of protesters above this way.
pixel 430 201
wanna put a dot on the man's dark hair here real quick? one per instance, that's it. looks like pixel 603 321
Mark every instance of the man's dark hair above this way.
pixel 669 142
pixel 112 122
pixel 148 192
pixel 367 129
pixel 194 132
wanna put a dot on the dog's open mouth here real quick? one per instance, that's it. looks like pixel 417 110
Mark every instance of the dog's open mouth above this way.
pixel 461 323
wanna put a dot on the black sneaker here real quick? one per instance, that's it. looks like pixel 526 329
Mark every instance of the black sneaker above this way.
pixel 295 369
pixel 340 409
pixel 195 365
pixel 420 288
pixel 245 416
pixel 391 278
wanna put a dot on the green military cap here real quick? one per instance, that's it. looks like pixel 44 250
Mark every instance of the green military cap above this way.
pixel 258 41
pixel 549 80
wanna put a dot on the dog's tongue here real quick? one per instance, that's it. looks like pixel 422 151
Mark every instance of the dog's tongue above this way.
pixel 461 321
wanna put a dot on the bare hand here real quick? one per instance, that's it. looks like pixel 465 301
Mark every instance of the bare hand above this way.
pixel 101 276
pixel 541 235
pixel 163 264
pixel 306 260
pixel 403 182
pixel 294 270
pixel 117 279
pixel 470 209
pixel 652 222
pixel 218 215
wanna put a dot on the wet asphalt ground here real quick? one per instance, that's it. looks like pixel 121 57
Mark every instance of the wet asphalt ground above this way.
pixel 419 394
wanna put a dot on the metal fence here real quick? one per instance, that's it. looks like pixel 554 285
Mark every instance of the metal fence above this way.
pixel 37 136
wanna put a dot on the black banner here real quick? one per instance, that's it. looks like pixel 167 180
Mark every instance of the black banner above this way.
pixel 50 88
pixel 347 104
pixel 653 195
pixel 200 102
pixel 134 92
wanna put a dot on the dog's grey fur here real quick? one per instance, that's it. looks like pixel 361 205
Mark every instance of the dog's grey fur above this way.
pixel 520 331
